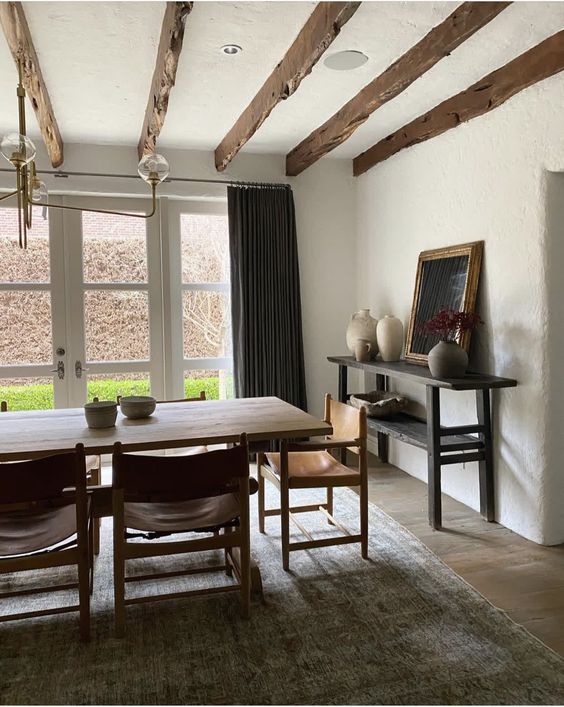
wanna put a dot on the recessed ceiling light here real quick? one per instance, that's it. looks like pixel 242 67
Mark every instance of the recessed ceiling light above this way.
pixel 345 61
pixel 231 49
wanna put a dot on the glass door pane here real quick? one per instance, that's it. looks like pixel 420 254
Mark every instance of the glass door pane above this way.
pixel 206 309
pixel 116 311
pixel 32 319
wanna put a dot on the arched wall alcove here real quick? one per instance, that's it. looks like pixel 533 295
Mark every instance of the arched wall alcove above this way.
pixel 553 487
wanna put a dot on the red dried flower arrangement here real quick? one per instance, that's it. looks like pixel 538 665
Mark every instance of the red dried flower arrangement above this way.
pixel 449 325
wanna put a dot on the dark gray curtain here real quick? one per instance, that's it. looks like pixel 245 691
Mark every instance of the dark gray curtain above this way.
pixel 265 294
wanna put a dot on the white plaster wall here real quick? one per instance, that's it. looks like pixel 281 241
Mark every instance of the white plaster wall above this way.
pixel 485 180
pixel 325 216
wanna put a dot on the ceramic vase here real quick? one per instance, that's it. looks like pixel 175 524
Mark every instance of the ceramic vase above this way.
pixel 362 326
pixel 447 360
pixel 389 335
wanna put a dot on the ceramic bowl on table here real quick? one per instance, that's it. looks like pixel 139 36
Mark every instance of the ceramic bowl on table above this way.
pixel 136 407
pixel 100 414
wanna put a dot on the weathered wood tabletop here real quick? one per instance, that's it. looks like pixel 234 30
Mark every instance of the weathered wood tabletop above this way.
pixel 31 434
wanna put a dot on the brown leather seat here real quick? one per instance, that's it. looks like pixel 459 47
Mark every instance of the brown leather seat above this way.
pixel 182 516
pixel 22 532
pixel 310 469
pixel 46 522
pixel 93 478
pixel 204 493
pixel 308 465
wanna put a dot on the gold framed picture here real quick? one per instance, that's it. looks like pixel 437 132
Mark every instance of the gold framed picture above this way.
pixel 446 277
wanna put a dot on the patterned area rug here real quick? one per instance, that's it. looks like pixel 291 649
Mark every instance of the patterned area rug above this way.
pixel 400 628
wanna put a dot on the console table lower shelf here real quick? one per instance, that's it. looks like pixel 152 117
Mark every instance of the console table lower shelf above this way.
pixel 444 445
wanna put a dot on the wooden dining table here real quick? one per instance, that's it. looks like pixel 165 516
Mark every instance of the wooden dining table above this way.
pixel 36 433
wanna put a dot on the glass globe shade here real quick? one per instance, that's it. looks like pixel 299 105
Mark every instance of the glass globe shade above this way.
pixel 17 148
pixel 39 193
pixel 153 167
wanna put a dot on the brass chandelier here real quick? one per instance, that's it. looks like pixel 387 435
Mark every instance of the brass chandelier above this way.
pixel 30 191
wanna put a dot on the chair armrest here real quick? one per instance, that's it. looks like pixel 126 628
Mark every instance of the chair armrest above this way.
pixel 321 445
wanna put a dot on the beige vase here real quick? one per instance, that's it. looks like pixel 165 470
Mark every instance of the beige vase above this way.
pixel 362 326
pixel 389 334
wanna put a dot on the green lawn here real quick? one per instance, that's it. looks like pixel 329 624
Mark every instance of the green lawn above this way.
pixel 40 396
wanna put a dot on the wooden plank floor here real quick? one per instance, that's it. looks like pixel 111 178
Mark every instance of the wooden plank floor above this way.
pixel 524 579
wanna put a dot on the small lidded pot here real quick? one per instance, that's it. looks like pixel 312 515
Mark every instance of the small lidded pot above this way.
pixel 100 414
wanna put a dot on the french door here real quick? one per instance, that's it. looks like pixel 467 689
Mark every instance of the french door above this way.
pixel 103 305
pixel 114 301
pixel 32 313
pixel 198 341
pixel 81 309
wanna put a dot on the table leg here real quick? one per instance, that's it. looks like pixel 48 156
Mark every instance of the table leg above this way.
pixel 382 384
pixel 486 472
pixel 256 579
pixel 434 456
pixel 343 371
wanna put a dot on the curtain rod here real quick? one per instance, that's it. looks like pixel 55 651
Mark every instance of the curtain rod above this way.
pixel 234 183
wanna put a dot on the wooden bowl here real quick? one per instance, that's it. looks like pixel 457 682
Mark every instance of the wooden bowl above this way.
pixel 379 403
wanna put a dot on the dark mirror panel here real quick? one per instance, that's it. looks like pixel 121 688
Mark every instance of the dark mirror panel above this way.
pixel 443 282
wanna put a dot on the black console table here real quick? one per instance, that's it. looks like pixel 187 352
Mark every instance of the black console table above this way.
pixel 444 445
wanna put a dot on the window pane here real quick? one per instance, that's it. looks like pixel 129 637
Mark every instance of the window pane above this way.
pixel 218 385
pixel 206 323
pixel 116 325
pixel 17 265
pixel 25 323
pixel 114 248
pixel 205 248
pixel 107 386
pixel 27 393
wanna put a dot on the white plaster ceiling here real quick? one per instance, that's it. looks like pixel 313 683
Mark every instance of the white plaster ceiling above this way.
pixel 98 57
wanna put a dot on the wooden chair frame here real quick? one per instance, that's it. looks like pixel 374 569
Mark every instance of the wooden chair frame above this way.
pixel 201 396
pixel 80 552
pixel 284 484
pixel 94 478
pixel 235 541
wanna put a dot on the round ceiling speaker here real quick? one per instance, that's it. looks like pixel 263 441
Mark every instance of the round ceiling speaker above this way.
pixel 231 49
pixel 345 61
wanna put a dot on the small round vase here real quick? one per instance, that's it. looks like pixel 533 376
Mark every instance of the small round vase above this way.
pixel 362 326
pixel 447 360
pixel 389 334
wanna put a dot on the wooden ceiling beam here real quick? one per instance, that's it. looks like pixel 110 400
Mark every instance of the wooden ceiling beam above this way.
pixel 164 75
pixel 467 19
pixel 321 28
pixel 16 30
pixel 537 64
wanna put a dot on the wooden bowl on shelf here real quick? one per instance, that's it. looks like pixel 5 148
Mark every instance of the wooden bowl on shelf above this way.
pixel 379 403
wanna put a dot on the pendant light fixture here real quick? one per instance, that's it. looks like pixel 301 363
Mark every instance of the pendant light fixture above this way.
pixel 30 191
